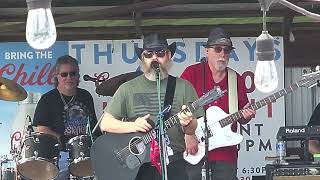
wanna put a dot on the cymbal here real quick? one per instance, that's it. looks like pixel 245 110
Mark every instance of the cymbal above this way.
pixel 110 86
pixel 11 91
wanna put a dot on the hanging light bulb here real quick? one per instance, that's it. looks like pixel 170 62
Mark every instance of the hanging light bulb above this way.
pixel 291 36
pixel 265 77
pixel 40 29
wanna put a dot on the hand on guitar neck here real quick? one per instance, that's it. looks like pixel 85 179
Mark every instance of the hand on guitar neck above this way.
pixel 247 114
pixel 187 121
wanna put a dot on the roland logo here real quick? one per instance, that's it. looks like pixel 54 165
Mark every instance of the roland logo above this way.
pixel 295 130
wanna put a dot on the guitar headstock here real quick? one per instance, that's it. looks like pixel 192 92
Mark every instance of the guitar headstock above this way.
pixel 309 80
pixel 210 96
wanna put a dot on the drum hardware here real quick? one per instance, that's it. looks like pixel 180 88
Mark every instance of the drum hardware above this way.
pixel 8 168
pixel 35 155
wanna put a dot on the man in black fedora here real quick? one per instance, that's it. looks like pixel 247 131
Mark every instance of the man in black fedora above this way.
pixel 137 102
pixel 222 161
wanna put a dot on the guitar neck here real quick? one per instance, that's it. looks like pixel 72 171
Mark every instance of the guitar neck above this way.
pixel 272 98
pixel 172 121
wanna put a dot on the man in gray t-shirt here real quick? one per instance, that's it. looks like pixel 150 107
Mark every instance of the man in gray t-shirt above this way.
pixel 135 104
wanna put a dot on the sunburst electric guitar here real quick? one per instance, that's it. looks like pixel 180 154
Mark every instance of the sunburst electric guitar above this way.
pixel 119 156
pixel 219 123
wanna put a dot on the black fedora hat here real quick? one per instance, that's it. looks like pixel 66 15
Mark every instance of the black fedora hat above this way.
pixel 218 36
pixel 154 42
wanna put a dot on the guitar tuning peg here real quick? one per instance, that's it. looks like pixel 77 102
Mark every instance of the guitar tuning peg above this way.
pixel 304 71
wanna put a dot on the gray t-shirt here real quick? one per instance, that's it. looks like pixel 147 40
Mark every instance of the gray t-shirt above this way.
pixel 139 97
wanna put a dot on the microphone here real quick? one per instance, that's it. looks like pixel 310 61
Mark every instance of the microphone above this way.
pixel 155 66
pixel 88 78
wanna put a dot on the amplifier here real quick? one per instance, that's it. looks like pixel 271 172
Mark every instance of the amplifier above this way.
pixel 293 171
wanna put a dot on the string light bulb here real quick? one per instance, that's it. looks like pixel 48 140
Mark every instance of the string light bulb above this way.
pixel 40 29
pixel 265 77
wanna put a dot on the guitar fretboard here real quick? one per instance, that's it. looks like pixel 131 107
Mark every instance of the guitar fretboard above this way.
pixel 272 98
pixel 172 121
pixel 210 96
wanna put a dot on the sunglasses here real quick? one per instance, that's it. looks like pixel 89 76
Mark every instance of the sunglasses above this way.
pixel 218 49
pixel 149 54
pixel 71 74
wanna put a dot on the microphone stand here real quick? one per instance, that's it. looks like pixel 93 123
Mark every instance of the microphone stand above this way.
pixel 206 130
pixel 160 134
pixel 98 123
pixel 88 129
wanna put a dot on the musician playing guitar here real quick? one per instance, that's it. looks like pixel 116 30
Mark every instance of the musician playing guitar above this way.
pixel 222 161
pixel 137 102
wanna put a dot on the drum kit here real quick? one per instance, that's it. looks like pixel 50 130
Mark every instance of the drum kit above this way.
pixel 38 156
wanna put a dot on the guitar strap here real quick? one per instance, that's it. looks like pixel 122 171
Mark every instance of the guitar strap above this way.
pixel 232 91
pixel 171 87
pixel 154 149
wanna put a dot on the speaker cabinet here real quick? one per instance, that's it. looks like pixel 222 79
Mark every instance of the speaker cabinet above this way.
pixel 293 171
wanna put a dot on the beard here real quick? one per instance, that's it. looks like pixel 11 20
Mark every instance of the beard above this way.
pixel 151 73
pixel 221 65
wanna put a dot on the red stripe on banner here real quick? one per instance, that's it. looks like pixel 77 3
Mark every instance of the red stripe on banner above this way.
pixel 269 105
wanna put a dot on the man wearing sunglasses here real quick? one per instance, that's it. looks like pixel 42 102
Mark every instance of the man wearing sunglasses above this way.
pixel 222 161
pixel 66 111
pixel 137 102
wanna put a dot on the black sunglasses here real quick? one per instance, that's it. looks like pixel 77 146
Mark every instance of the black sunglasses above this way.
pixel 218 49
pixel 149 54
pixel 71 74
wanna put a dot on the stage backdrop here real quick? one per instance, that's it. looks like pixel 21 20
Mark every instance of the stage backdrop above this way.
pixel 33 70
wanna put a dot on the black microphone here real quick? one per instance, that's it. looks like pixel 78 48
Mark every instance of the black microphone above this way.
pixel 88 78
pixel 155 66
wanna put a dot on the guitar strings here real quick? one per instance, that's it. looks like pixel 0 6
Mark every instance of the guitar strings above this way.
pixel 126 150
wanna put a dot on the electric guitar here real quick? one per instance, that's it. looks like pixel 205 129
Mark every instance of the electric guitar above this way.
pixel 119 156
pixel 219 122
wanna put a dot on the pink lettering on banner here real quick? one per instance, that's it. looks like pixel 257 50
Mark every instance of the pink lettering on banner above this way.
pixel 38 76
pixel 16 139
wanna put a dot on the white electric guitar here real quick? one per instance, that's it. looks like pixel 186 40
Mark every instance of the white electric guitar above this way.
pixel 219 122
